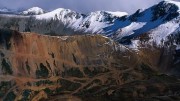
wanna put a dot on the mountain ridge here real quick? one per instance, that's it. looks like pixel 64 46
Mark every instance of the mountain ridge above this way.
pixel 160 21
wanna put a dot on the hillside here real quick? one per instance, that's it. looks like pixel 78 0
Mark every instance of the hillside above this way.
pixel 35 67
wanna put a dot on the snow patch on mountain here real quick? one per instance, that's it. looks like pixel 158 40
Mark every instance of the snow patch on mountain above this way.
pixel 129 30
pixel 161 32
pixel 94 22
pixel 177 47
pixel 117 13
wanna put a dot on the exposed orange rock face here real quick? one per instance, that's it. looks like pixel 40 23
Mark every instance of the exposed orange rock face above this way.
pixel 29 57
pixel 32 50
pixel 38 67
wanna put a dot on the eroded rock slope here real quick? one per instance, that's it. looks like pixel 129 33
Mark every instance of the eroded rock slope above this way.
pixel 38 67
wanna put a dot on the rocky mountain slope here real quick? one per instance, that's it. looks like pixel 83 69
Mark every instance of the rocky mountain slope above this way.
pixel 38 67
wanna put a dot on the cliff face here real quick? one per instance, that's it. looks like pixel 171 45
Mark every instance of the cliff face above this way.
pixel 27 52
pixel 38 67
pixel 37 56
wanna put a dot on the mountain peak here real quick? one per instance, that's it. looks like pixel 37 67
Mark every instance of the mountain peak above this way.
pixel 172 2
pixel 64 15
pixel 167 10
pixel 60 13
pixel 4 10
pixel 61 9
pixel 118 13
pixel 33 11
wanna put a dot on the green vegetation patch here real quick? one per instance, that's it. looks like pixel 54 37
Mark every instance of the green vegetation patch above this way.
pixel 42 72
pixel 93 71
pixel 10 97
pixel 68 85
pixel 6 68
pixel 44 82
pixel 4 87
pixel 74 72
pixel 26 95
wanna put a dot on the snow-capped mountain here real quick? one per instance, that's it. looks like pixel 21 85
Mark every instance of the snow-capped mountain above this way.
pixel 162 18
pixel 33 11
pixel 158 22
pixel 6 11
pixel 93 22
pixel 66 16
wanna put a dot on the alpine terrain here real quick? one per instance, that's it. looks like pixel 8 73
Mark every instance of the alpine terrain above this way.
pixel 63 55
